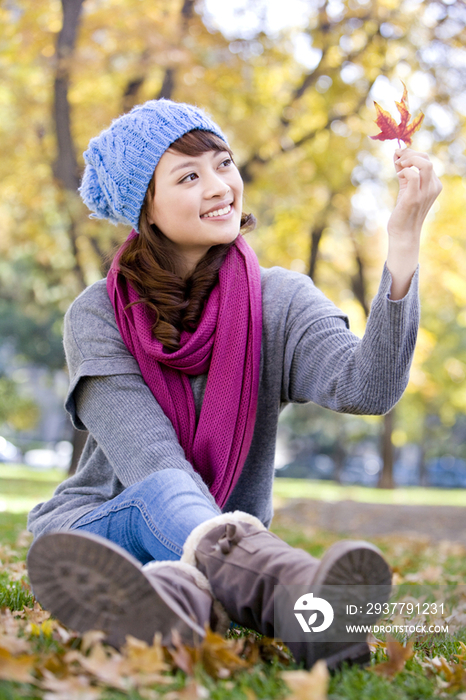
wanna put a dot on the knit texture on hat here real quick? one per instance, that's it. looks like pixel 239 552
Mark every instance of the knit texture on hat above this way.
pixel 120 161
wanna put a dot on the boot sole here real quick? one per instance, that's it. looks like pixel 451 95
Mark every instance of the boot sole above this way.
pixel 88 582
pixel 352 563
pixel 347 563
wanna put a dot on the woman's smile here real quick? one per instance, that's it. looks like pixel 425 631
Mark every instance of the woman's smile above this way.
pixel 219 212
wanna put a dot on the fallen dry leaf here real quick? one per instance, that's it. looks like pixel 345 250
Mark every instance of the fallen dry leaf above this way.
pixel 183 657
pixel 389 129
pixel 453 675
pixel 16 570
pixel 462 657
pixel 36 615
pixel 143 664
pixel 257 649
pixel 220 656
pixel 375 643
pixel 141 657
pixel 69 688
pixel 431 574
pixel 397 658
pixel 53 663
pixel 17 668
pixel 454 672
pixel 102 663
pixel 90 639
pixel 10 630
pixel 308 685
pixel 63 634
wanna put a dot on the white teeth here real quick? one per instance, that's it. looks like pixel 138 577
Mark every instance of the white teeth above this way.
pixel 217 212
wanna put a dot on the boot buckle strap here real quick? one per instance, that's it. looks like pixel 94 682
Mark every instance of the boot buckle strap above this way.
pixel 232 535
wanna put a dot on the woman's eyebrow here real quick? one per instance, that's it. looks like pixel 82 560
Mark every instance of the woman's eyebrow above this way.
pixel 192 163
pixel 186 164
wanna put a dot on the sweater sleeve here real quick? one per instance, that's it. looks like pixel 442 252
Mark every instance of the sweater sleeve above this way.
pixel 93 345
pixel 130 427
pixel 329 365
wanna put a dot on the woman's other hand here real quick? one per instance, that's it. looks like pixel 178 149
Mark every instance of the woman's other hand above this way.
pixel 419 188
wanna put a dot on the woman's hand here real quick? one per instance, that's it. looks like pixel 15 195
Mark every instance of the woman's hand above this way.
pixel 419 188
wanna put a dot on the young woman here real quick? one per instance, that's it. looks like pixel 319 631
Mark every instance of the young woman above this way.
pixel 180 362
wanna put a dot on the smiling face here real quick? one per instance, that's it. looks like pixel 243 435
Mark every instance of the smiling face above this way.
pixel 197 202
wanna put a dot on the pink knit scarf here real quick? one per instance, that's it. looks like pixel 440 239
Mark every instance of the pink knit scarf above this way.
pixel 227 345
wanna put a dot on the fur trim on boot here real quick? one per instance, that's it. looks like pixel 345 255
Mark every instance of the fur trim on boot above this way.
pixel 204 528
pixel 219 619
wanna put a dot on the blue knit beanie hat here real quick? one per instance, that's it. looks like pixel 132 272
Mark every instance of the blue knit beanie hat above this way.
pixel 120 161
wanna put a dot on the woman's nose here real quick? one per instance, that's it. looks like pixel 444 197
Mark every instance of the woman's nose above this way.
pixel 215 187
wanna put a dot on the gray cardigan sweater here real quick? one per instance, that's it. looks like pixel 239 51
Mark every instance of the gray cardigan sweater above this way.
pixel 308 354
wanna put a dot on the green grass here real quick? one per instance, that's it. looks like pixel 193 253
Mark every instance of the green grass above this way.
pixel 21 487
pixel 331 491
pixel 21 472
pixel 13 594
pixel 11 525
pixel 356 684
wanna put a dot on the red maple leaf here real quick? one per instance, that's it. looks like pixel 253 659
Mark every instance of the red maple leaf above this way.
pixel 389 129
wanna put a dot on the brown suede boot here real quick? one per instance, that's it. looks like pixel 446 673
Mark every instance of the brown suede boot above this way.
pixel 243 562
pixel 88 582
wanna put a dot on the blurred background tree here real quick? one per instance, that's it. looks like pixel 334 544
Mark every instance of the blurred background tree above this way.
pixel 297 105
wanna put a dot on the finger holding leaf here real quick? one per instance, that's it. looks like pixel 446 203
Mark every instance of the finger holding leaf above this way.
pixel 419 187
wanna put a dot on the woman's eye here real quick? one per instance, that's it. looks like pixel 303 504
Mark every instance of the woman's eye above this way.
pixel 189 178
pixel 227 162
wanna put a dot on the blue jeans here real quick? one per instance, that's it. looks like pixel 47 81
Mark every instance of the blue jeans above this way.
pixel 152 518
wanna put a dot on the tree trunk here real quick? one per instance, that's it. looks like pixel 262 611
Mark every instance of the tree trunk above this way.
pixel 316 235
pixel 423 481
pixel 65 168
pixel 386 478
pixel 339 457
pixel 168 84
pixel 358 284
